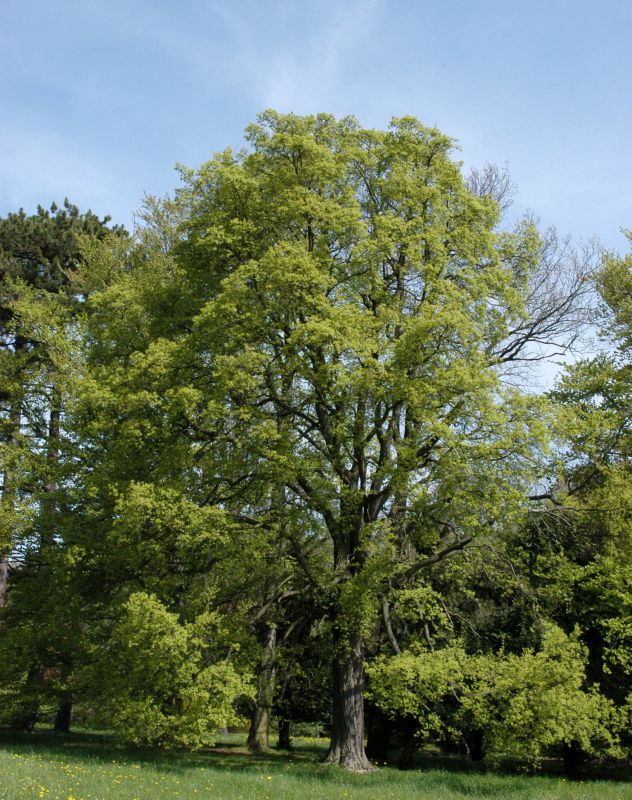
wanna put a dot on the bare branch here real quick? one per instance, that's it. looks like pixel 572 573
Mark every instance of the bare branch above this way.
pixel 559 304
pixel 387 625
pixel 492 181
pixel 455 547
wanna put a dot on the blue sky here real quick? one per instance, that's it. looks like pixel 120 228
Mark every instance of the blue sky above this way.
pixel 99 100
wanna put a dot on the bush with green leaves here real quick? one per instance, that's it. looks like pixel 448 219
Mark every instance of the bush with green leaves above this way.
pixel 523 705
pixel 165 685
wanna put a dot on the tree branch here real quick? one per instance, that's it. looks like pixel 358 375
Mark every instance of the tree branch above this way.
pixel 455 547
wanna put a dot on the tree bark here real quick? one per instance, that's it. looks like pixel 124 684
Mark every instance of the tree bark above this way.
pixel 52 462
pixel 4 578
pixel 7 502
pixel 27 713
pixel 284 742
pixel 258 736
pixel 347 737
pixel 63 717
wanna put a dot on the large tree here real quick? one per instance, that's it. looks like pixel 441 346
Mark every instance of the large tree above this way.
pixel 328 340
pixel 357 307
pixel 39 254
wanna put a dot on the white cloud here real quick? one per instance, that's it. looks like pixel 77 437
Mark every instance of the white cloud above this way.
pixel 307 69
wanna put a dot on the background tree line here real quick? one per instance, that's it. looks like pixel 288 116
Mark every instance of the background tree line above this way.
pixel 283 436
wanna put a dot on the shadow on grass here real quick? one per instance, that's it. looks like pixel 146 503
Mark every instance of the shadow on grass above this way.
pixel 231 755
pixel 432 758
pixel 105 747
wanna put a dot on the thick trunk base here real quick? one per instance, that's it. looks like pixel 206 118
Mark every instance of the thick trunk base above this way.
pixel 351 759
pixel 258 735
pixel 63 716
pixel 284 742
pixel 347 738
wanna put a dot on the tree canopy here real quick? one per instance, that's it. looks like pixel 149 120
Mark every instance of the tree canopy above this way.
pixel 296 405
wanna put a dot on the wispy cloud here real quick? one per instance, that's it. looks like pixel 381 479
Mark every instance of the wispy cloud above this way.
pixel 100 100
pixel 309 68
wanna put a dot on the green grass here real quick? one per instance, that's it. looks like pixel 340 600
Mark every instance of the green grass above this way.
pixel 91 767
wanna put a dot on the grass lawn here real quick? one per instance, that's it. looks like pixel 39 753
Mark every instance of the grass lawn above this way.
pixel 92 767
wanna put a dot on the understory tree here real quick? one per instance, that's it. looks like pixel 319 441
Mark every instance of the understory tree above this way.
pixel 523 704
pixel 171 581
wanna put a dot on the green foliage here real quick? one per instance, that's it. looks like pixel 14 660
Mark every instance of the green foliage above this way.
pixel 537 702
pixel 584 572
pixel 614 282
pixel 523 704
pixel 41 628
pixel 355 303
pixel 164 682
pixel 43 249
pixel 277 406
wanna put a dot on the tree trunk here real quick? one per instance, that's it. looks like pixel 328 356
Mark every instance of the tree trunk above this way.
pixel 347 737
pixel 52 461
pixel 476 745
pixel 284 742
pixel 574 757
pixel 379 734
pixel 26 714
pixel 260 725
pixel 258 735
pixel 7 502
pixel 4 577
pixel 63 717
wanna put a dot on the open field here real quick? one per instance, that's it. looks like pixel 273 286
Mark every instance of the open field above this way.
pixel 92 767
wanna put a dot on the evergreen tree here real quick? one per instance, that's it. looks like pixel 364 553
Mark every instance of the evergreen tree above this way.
pixel 39 254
